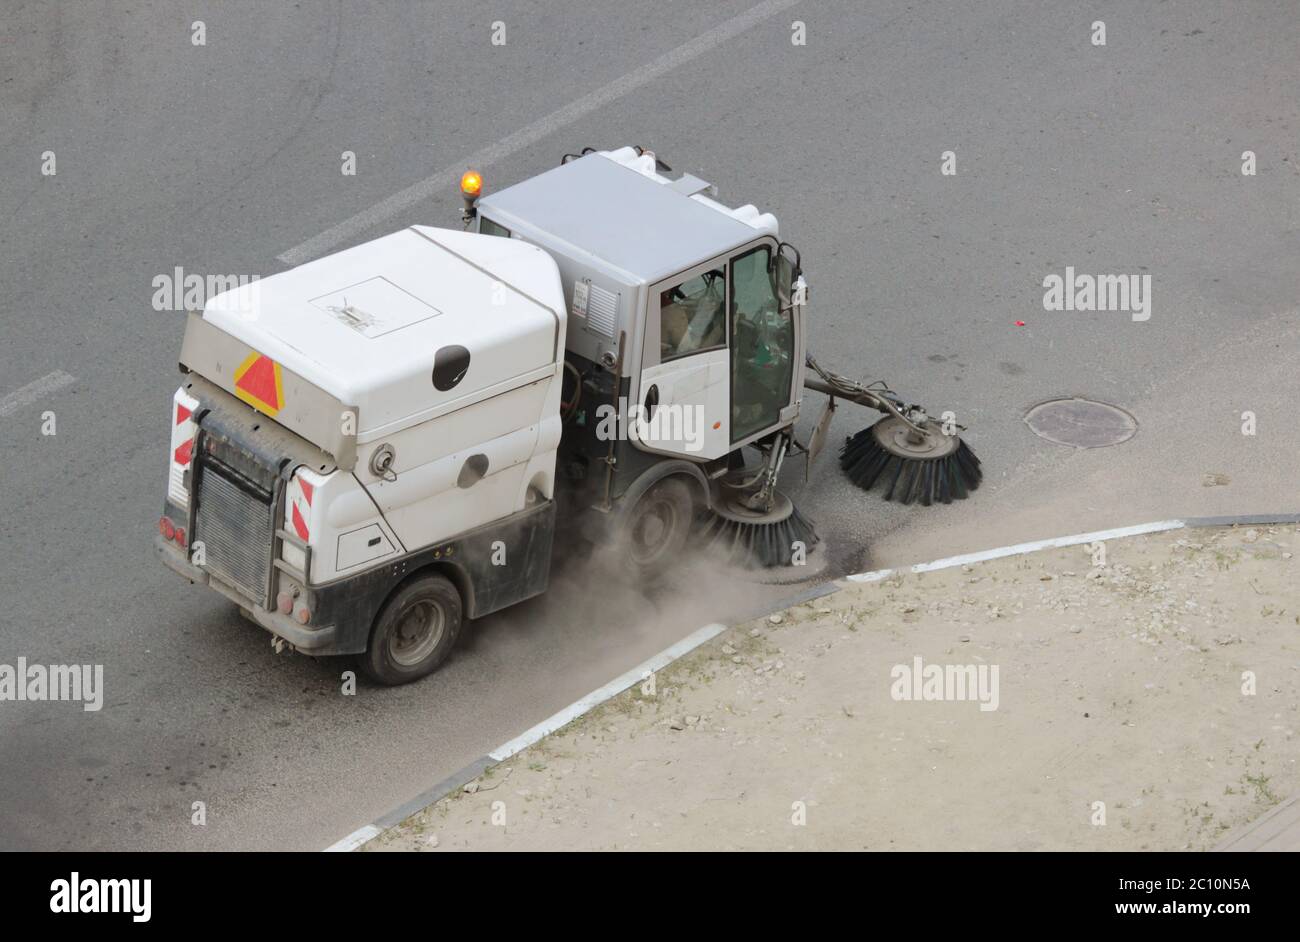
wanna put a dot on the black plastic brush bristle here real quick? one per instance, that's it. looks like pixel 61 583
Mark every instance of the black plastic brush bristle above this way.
pixel 759 544
pixel 908 480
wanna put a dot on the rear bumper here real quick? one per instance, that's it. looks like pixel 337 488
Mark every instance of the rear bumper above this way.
pixel 315 640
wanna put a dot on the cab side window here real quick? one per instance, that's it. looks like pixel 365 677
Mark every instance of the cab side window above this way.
pixel 692 315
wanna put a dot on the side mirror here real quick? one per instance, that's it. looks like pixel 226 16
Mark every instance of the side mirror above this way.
pixel 786 272
pixel 784 280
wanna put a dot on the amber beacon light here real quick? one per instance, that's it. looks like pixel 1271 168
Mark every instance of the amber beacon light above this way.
pixel 471 185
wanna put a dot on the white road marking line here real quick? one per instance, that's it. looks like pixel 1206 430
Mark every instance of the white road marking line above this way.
pixel 34 390
pixel 609 690
pixel 1021 548
pixel 446 178
pixel 353 840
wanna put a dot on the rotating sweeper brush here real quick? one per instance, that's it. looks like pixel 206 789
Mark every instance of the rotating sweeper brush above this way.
pixel 759 539
pixel 916 458
pixel 753 525
pixel 913 463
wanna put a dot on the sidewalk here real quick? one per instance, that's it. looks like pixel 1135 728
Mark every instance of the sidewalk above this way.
pixel 1078 706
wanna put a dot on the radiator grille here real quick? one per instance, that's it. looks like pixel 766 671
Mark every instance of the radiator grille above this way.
pixel 235 529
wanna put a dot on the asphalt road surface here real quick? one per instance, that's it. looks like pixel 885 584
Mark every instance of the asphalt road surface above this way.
pixel 221 158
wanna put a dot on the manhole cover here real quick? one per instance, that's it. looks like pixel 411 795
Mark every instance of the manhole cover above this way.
pixel 1082 423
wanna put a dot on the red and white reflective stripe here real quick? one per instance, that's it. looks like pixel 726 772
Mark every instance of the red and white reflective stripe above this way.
pixel 182 443
pixel 299 524
pixel 302 488
pixel 183 428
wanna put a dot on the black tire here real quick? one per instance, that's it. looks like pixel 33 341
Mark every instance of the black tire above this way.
pixel 414 631
pixel 653 531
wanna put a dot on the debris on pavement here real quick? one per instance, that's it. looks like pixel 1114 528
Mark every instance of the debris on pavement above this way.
pixel 1038 702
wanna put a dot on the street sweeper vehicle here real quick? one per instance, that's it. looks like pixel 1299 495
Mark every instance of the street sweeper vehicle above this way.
pixel 373 447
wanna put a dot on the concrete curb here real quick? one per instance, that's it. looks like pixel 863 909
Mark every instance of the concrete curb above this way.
pixel 707 633
pixel 549 725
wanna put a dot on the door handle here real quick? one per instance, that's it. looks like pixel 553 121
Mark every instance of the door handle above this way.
pixel 651 401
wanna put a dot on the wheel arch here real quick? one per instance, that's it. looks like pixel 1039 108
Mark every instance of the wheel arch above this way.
pixel 658 472
pixel 454 573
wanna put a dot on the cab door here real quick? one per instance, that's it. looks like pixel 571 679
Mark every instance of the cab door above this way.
pixel 682 406
pixel 764 350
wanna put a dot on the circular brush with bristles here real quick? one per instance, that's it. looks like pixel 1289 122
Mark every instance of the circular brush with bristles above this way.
pixel 926 468
pixel 755 540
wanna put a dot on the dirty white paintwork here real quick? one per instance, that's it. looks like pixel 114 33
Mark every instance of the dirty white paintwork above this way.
pixel 364 324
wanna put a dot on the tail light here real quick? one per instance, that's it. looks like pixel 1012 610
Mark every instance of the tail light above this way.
pixel 166 528
pixel 180 537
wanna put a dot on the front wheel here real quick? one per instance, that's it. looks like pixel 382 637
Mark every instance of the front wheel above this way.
pixel 654 530
pixel 414 633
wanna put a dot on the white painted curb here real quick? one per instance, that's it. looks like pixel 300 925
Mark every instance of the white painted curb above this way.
pixel 354 840
pixel 608 691
pixel 558 720
pixel 1020 549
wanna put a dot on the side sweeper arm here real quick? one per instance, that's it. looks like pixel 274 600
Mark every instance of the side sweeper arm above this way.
pixel 913 455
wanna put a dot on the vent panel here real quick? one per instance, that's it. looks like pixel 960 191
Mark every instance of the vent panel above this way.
pixel 602 311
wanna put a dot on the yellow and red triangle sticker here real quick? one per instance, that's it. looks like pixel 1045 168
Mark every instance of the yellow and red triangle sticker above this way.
pixel 258 383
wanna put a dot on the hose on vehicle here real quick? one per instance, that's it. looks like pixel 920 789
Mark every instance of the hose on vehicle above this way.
pixel 569 409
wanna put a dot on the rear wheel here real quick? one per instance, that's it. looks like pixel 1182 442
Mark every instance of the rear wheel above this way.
pixel 655 529
pixel 415 631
